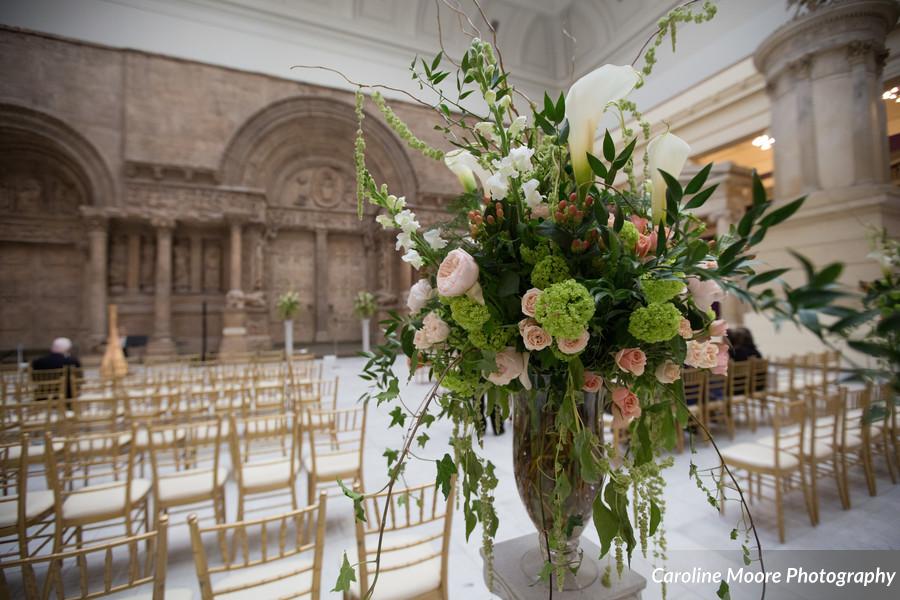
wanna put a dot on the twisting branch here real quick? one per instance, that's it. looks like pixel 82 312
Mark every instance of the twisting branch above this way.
pixel 365 85
pixel 437 8
pixel 460 15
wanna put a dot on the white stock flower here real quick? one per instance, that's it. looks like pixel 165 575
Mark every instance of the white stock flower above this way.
pixel 585 104
pixel 414 258
pixel 490 97
pixel 434 239
pixel 521 158
pixel 465 166
pixel 385 221
pixel 505 167
pixel 517 125
pixel 496 186
pixel 406 220
pixel 404 240
pixel 505 101
pixel 532 195
pixel 486 128
pixel 669 153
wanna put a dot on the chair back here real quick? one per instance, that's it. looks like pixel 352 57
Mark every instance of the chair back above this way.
pixel 789 427
pixel 261 439
pixel 185 448
pixel 319 394
pixel 98 414
pixel 695 387
pixel 340 435
pixel 272 557
pixel 97 570
pixel 47 384
pixel 416 522
pixel 738 378
pixel 858 416
pixel 825 414
pixel 759 377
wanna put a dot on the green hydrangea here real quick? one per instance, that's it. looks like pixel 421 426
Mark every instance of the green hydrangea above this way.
pixel 562 355
pixel 467 313
pixel 655 323
pixel 661 290
pixel 564 309
pixel 494 341
pixel 462 384
pixel 534 255
pixel 549 270
pixel 629 235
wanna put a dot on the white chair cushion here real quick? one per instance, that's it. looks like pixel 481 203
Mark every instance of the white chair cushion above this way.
pixel 332 464
pixel 822 447
pixel 288 587
pixel 171 594
pixel 36 504
pixel 167 436
pixel 34 450
pixel 266 474
pixel 189 484
pixel 403 583
pixel 758 455
pixel 102 500
pixel 101 444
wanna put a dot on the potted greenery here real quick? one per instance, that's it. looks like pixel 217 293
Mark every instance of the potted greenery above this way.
pixel 364 307
pixel 288 307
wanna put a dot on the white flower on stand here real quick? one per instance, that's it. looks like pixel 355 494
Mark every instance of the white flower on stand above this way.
pixel 406 221
pixel 434 239
pixel 414 258
pixel 497 186
pixel 532 196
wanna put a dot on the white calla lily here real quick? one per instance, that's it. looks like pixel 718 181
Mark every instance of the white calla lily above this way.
pixel 666 152
pixel 585 104
pixel 465 166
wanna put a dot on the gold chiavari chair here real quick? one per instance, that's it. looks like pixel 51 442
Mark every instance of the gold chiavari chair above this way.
pixel 97 415
pixel 269 396
pixel 415 547
pixel 762 386
pixel 716 403
pixel 335 451
pixel 47 384
pixel 111 568
pixel 313 397
pixel 93 483
pixel 739 394
pixel 264 452
pixel 890 400
pixel 859 438
pixel 694 381
pixel 12 384
pixel 272 557
pixel 187 466
pixel 20 509
pixel 232 399
pixel 774 464
pixel 303 368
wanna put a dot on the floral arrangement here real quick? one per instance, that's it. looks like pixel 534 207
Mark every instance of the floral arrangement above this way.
pixel 364 305
pixel 288 305
pixel 560 267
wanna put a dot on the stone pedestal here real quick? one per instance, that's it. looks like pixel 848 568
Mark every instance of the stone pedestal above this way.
pixel 234 332
pixel 514 576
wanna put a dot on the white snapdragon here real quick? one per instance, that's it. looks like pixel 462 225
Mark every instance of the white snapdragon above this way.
pixel 532 196
pixel 385 221
pixel 505 101
pixel 490 97
pixel 404 240
pixel 497 186
pixel 486 128
pixel 465 166
pixel 394 203
pixel 518 125
pixel 413 258
pixel 434 239
pixel 505 167
pixel 520 157
pixel 406 220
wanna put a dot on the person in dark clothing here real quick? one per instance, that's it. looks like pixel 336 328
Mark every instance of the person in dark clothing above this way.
pixel 60 357
pixel 741 345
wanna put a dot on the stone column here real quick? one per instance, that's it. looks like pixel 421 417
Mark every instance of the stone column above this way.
pixel 823 74
pixel 96 296
pixel 236 241
pixel 196 263
pixel 161 342
pixel 133 272
pixel 323 308
pixel 234 328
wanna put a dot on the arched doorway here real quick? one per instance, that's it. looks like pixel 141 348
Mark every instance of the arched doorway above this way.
pixel 300 152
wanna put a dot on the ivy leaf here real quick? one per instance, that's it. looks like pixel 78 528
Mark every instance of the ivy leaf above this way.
pixel 584 445
pixel 560 110
pixel 606 523
pixel 422 439
pixel 398 417
pixel 624 155
pixel 391 456
pixel 724 592
pixel 357 498
pixel 446 469
pixel 346 576
pixel 655 517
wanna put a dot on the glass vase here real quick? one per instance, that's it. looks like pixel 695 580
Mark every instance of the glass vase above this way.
pixel 535 446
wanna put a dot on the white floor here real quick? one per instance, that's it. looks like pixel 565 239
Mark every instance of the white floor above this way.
pixel 695 530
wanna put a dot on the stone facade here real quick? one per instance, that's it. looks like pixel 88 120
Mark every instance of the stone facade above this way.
pixel 160 184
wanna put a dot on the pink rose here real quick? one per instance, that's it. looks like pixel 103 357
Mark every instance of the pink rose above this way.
pixel 722 358
pixel 625 400
pixel 645 244
pixel 457 274
pixel 619 420
pixel 541 211
pixel 436 330
pixel 631 360
pixel 668 372
pixel 592 382
pixel 529 300
pixel 511 365
pixel 685 330
pixel 701 355
pixel 705 292
pixel 573 346
pixel 536 338
pixel 524 323
pixel 718 327
pixel 420 340
pixel 639 222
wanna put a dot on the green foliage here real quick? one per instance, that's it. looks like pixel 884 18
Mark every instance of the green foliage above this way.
pixel 345 577
pixel 288 305
pixel 364 305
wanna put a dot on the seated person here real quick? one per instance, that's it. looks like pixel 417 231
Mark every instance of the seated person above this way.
pixel 741 348
pixel 60 356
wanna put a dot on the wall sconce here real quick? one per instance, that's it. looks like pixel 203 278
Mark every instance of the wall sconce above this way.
pixel 891 94
pixel 763 142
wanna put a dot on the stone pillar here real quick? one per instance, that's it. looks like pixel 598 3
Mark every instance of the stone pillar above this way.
pixel 323 308
pixel 823 74
pixel 96 293
pixel 161 342
pixel 133 272
pixel 196 263
pixel 234 317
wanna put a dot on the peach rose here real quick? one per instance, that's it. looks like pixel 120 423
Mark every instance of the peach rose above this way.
pixel 573 346
pixel 536 338
pixel 511 365
pixel 631 360
pixel 685 330
pixel 419 295
pixel 619 421
pixel 668 372
pixel 529 300
pixel 592 382
pixel 626 401
pixel 525 323
pixel 420 340
pixel 541 211
pixel 718 327
pixel 639 222
pixel 722 358
pixel 701 355
pixel 704 292
pixel 436 330
pixel 457 274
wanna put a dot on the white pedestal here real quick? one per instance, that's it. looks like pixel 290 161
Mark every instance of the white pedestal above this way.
pixel 365 335
pixel 289 337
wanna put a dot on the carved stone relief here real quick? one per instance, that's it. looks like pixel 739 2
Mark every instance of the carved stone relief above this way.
pixel 181 259
pixel 212 265
pixel 346 278
pixel 291 266
pixel 118 263
pixel 320 186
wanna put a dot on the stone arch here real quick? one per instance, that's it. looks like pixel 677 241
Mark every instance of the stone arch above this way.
pixel 307 132
pixel 27 131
